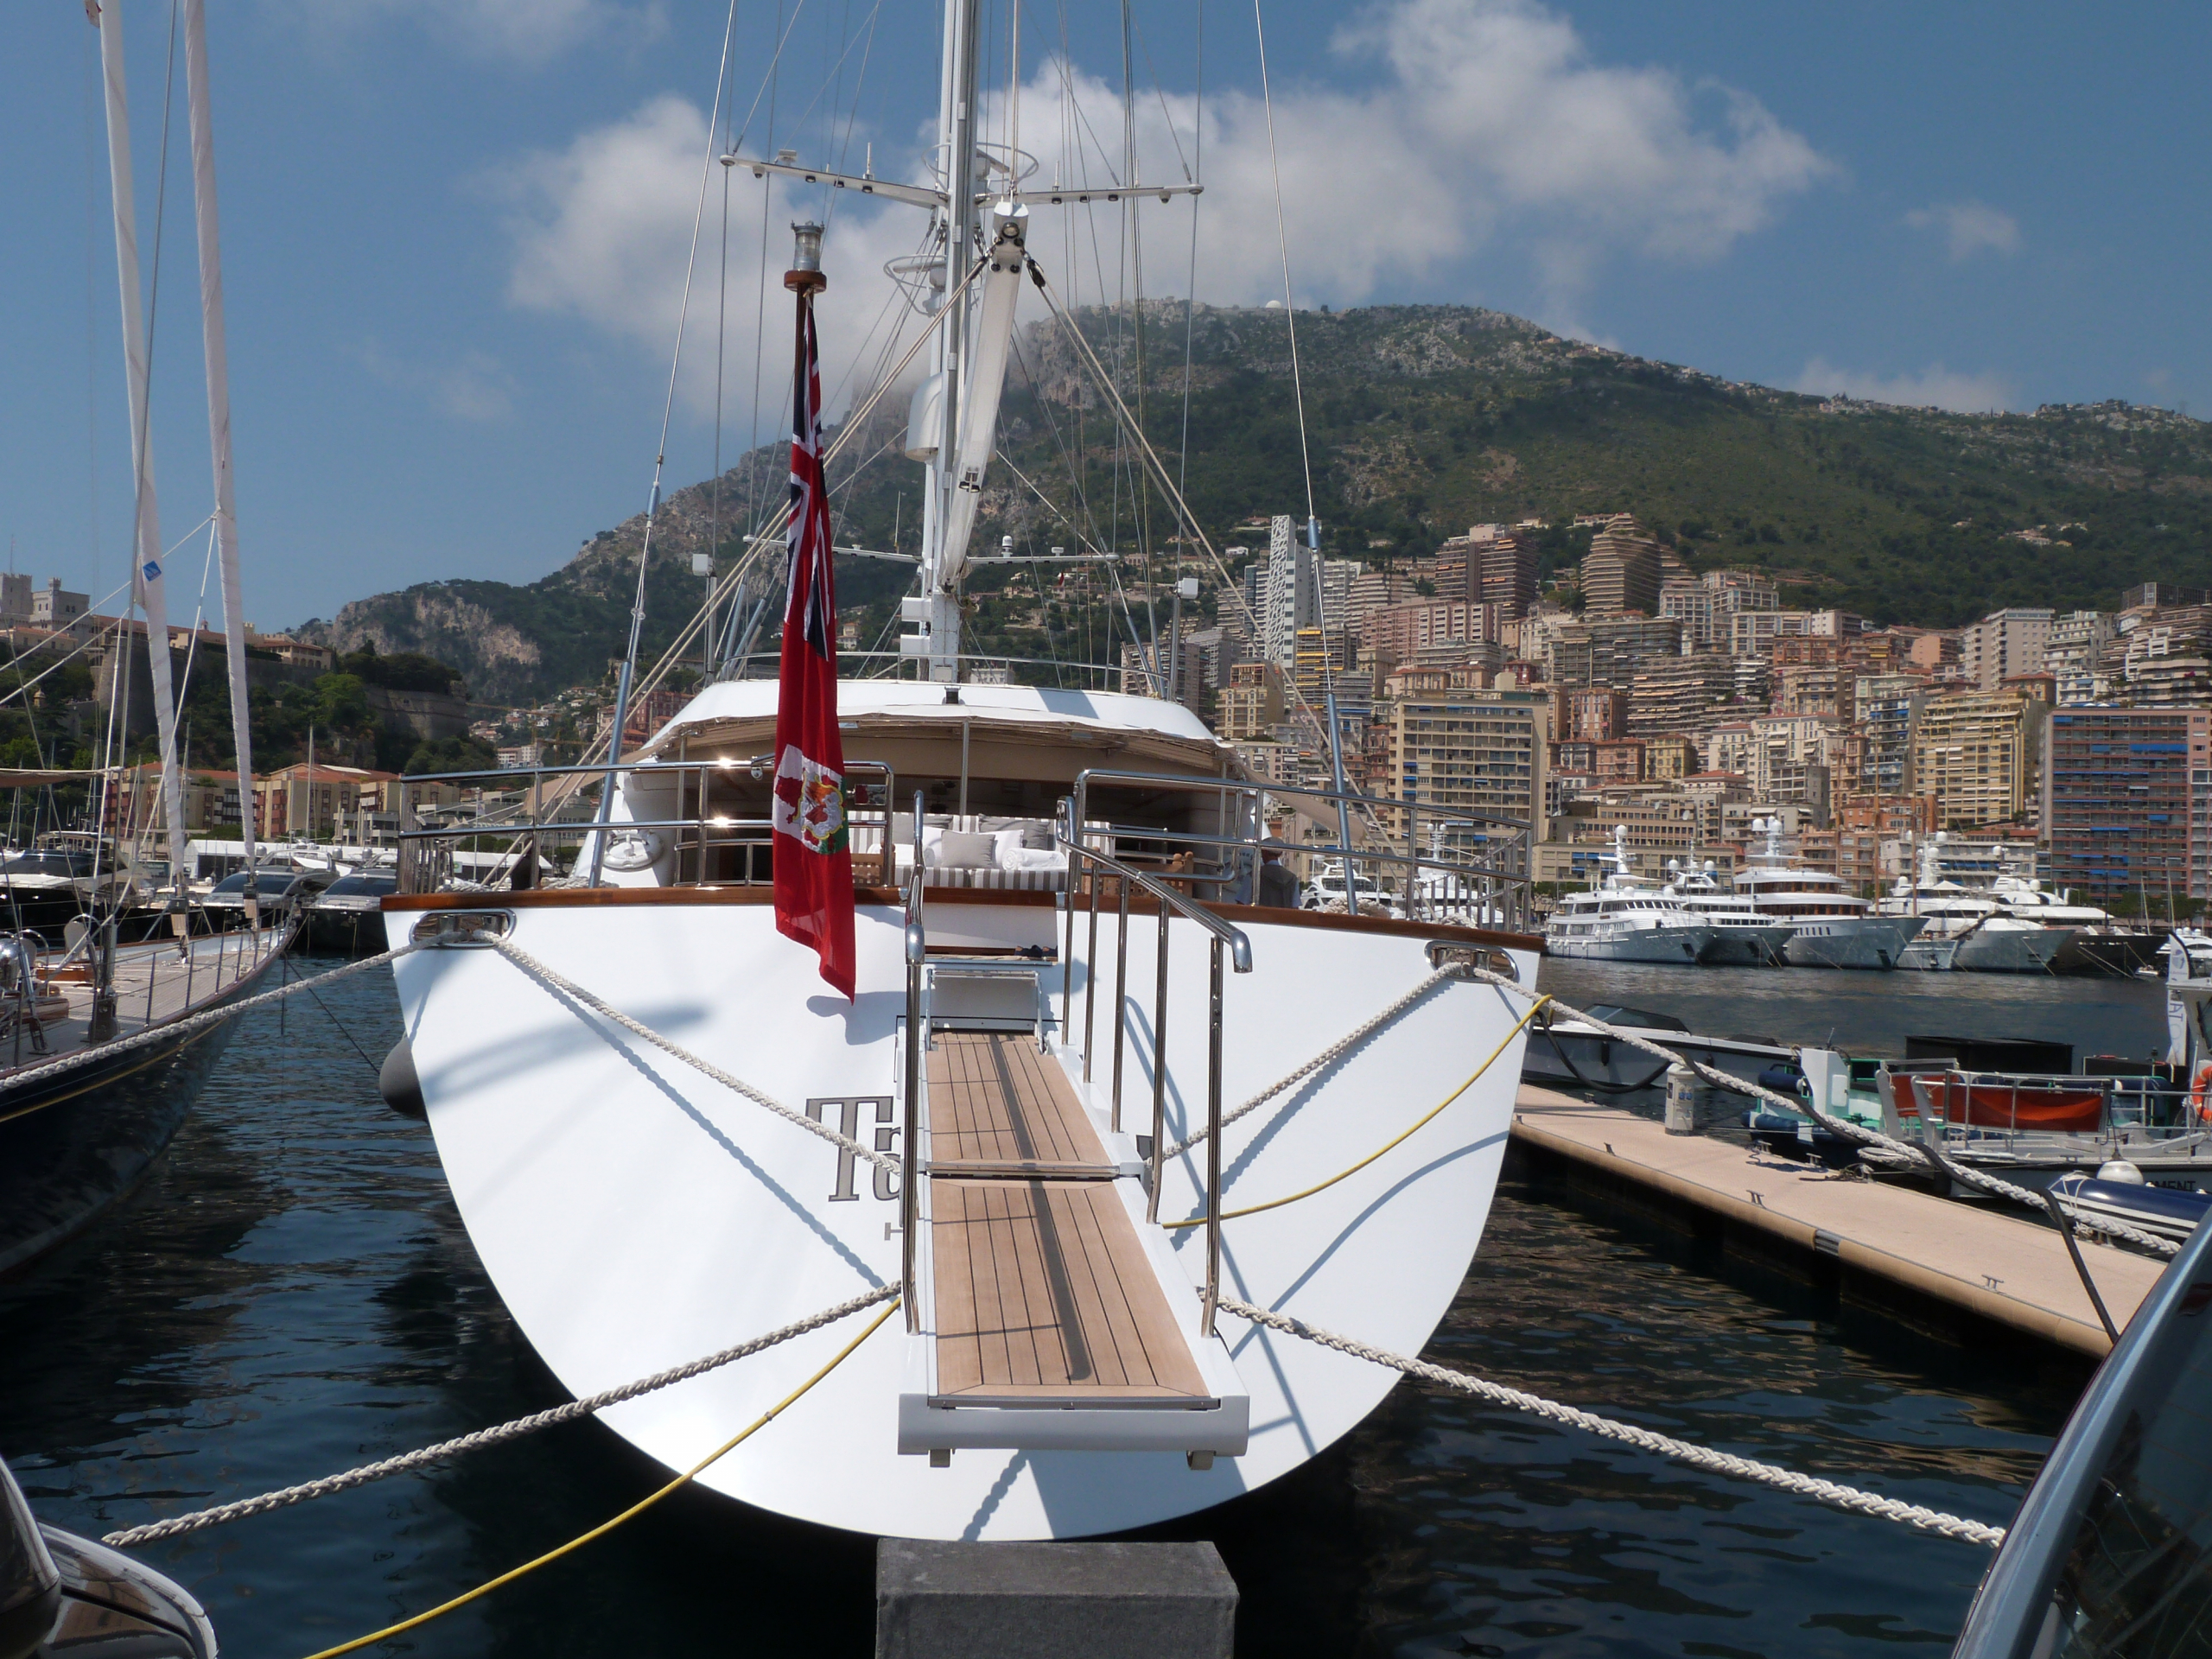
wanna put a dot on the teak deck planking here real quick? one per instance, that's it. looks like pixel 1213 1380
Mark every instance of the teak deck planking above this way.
pixel 1044 1292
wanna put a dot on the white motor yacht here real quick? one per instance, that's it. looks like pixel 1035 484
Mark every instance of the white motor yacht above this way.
pixel 1743 937
pixel 1829 927
pixel 1626 918
pixel 1969 930
pixel 2100 945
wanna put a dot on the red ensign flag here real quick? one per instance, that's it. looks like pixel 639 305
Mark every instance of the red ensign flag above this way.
pixel 814 862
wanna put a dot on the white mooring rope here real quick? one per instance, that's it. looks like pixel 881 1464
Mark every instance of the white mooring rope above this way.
pixel 1327 1057
pixel 530 964
pixel 1908 1150
pixel 1766 1474
pixel 486 1437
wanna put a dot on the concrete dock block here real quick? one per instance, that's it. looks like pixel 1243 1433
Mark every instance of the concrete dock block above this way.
pixel 1053 1601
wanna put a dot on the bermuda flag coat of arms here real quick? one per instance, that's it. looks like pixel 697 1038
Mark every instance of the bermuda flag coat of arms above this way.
pixel 813 862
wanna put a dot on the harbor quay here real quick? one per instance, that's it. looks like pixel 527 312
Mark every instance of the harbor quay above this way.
pixel 1962 1271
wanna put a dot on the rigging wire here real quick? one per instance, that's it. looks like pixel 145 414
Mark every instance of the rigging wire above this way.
pixel 1282 243
pixel 674 365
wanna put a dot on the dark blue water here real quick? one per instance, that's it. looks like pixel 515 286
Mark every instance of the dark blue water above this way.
pixel 291 1294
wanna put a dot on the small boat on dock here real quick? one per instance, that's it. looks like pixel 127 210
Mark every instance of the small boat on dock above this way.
pixel 1571 1054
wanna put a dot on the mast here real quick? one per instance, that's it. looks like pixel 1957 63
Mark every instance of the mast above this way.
pixel 219 405
pixel 146 578
pixel 940 601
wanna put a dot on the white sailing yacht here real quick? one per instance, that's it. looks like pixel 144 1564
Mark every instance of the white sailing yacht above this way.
pixel 1021 1100
pixel 101 1054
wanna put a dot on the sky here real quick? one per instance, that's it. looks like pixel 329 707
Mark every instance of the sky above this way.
pixel 457 232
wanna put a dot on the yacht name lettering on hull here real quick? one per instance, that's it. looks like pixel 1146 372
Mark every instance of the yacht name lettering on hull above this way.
pixel 886 1185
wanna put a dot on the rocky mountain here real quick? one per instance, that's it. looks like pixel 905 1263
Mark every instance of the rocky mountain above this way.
pixel 1420 420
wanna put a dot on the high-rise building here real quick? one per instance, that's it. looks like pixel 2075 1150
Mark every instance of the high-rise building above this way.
pixel 1251 703
pixel 1145 674
pixel 2160 658
pixel 1680 694
pixel 1970 750
pixel 1509 572
pixel 1620 574
pixel 2127 801
pixel 2162 595
pixel 1288 599
pixel 1704 604
pixel 1457 744
pixel 1607 651
pixel 2003 643
pixel 1881 712
pixel 2075 647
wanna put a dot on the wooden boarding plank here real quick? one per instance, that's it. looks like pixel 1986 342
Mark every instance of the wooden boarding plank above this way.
pixel 1044 1291
pixel 992 1100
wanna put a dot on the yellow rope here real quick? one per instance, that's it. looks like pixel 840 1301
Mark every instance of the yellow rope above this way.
pixel 605 1526
pixel 1474 1076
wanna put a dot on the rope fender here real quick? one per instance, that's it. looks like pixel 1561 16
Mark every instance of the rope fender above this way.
pixel 1767 1474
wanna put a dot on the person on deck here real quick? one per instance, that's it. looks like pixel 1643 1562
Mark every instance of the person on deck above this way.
pixel 1278 886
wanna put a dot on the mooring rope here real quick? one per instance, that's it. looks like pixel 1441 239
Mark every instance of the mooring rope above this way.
pixel 499 1435
pixel 1766 1474
pixel 530 964
pixel 608 1526
pixel 1857 1132
pixel 173 1028
pixel 1326 1058
pixel 1402 1135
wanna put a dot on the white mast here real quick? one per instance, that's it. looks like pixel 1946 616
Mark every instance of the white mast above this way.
pixel 146 567
pixel 218 403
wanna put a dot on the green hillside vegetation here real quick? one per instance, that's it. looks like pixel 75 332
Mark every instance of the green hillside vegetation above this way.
pixel 1420 422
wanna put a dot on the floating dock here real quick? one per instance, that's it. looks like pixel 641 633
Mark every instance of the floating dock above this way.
pixel 1947 1265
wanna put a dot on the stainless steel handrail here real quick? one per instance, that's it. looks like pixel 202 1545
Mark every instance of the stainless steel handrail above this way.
pixel 1518 884
pixel 916 941
pixel 521 816
pixel 1225 942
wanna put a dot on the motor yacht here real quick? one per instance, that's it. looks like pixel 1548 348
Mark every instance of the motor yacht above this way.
pixel 1743 937
pixel 1627 917
pixel 1830 925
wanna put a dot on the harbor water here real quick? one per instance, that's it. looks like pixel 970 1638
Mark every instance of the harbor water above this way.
pixel 291 1294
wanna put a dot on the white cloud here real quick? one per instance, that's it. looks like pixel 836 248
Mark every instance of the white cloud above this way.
pixel 1489 125
pixel 602 232
pixel 527 32
pixel 1935 385
pixel 1970 228
pixel 476 387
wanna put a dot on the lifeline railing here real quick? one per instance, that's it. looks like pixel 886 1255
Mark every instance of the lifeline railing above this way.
pixel 519 814
pixel 1497 890
pixel 1223 938
pixel 916 941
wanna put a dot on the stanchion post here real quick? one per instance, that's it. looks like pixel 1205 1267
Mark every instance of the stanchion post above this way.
pixel 1213 1137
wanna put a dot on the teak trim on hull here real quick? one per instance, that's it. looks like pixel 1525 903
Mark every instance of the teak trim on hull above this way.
pixel 890 898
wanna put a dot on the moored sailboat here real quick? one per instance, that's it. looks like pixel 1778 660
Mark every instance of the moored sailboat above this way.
pixel 1030 1099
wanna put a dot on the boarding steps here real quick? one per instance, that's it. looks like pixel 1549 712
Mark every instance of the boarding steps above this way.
pixel 1054 1316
